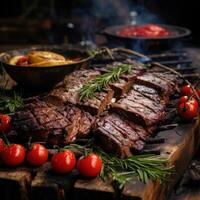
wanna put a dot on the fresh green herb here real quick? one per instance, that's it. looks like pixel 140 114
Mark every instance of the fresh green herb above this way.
pixel 100 82
pixel 9 103
pixel 145 167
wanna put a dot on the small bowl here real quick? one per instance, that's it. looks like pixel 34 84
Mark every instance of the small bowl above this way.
pixel 44 77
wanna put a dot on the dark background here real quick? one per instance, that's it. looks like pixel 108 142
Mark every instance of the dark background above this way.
pixel 49 21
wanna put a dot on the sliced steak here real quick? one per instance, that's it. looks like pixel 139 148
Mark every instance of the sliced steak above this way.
pixel 124 84
pixel 140 108
pixel 68 92
pixel 118 135
pixel 97 104
pixel 121 87
pixel 157 82
pixel 151 93
pixel 52 125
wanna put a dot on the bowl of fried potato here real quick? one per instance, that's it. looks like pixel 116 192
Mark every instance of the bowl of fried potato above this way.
pixel 43 67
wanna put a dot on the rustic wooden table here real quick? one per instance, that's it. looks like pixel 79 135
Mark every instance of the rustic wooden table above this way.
pixel 28 183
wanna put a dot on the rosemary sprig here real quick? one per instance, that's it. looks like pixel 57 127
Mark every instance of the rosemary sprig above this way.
pixel 9 103
pixel 100 82
pixel 145 167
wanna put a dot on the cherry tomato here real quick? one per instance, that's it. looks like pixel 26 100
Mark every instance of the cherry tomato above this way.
pixel 2 146
pixel 13 155
pixel 187 111
pixel 37 155
pixel 63 162
pixel 185 99
pixel 22 61
pixel 187 90
pixel 90 166
pixel 4 123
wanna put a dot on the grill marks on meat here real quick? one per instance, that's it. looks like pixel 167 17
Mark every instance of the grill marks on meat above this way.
pixel 156 81
pixel 141 107
pixel 119 135
pixel 68 92
pixel 141 101
pixel 52 125
pixel 151 94
pixel 124 84
pixel 96 105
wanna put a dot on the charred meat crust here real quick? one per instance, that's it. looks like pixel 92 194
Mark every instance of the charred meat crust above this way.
pixel 53 125
pixel 140 108
pixel 161 84
pixel 67 92
pixel 60 118
pixel 120 135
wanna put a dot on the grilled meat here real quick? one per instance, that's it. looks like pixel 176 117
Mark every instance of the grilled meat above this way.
pixel 140 108
pixel 120 135
pixel 68 92
pixel 61 117
pixel 52 125
pixel 151 94
pixel 158 81
pixel 123 85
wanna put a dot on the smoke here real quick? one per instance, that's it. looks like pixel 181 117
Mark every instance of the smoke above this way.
pixel 116 12
pixel 99 14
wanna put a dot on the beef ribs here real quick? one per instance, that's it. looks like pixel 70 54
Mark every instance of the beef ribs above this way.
pixel 68 92
pixel 53 125
pixel 141 108
pixel 119 135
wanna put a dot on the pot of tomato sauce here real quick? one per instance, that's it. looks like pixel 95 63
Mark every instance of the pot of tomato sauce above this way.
pixel 147 36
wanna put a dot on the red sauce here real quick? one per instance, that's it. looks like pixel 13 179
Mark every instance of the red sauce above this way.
pixel 147 30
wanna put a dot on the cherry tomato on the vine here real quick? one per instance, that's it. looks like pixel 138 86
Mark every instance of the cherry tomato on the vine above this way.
pixel 63 162
pixel 37 155
pixel 90 166
pixel 13 155
pixel 185 99
pixel 187 90
pixel 187 111
pixel 4 123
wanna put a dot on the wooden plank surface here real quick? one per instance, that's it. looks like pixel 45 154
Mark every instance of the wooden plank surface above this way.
pixel 180 145
pixel 15 183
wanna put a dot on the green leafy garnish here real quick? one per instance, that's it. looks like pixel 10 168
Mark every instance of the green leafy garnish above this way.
pixel 9 103
pixel 145 167
pixel 101 82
